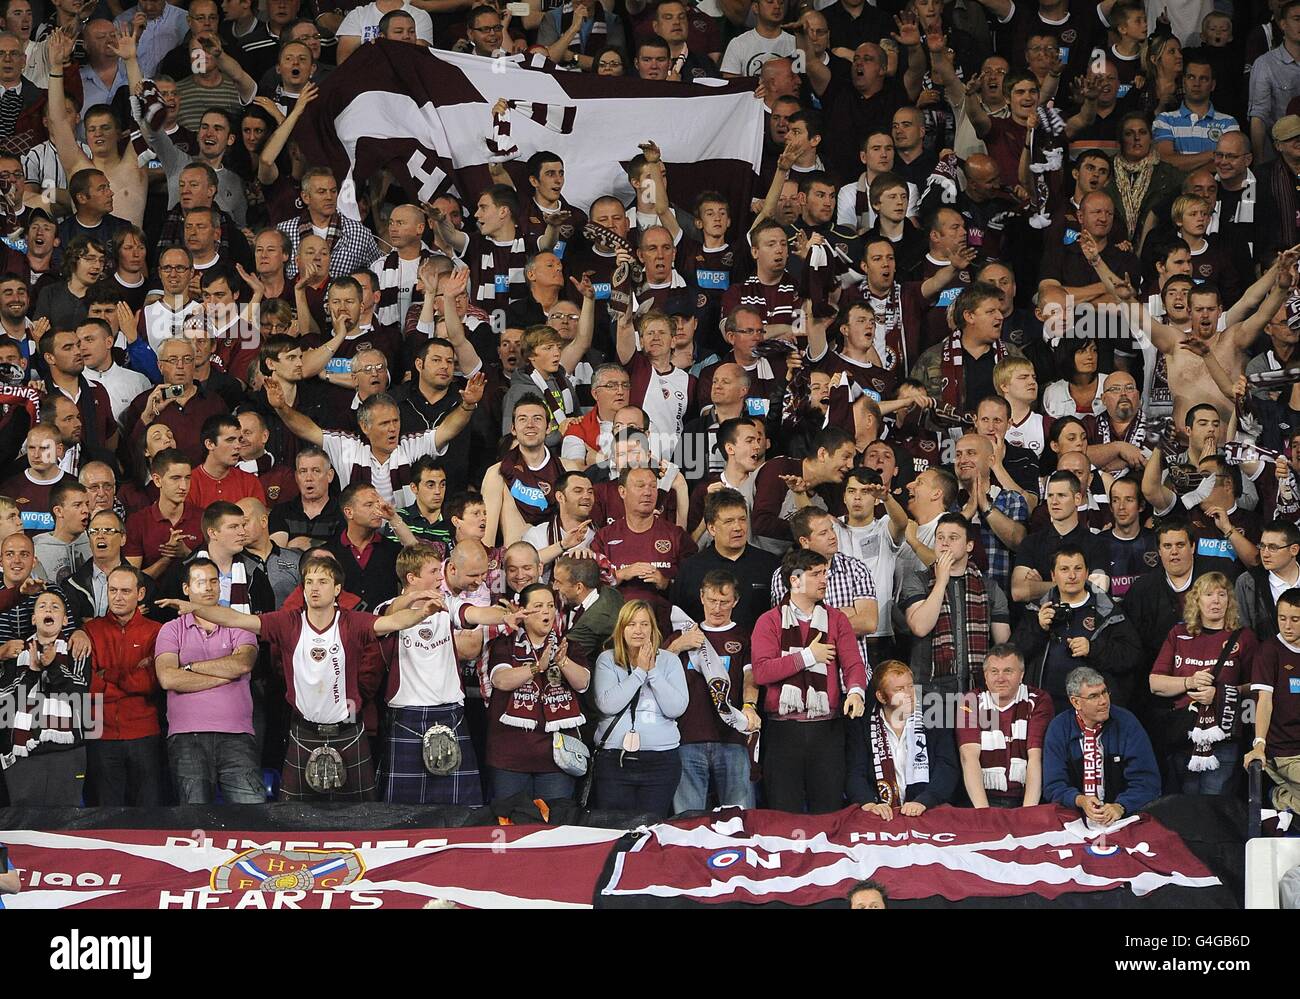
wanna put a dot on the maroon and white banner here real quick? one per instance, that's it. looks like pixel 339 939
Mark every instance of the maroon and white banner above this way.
pixel 428 119
pixel 476 867
pixel 763 856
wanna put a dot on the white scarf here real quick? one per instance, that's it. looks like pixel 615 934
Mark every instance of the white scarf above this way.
pixel 706 660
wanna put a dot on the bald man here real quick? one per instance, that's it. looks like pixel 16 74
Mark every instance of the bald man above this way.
pixel 1066 266
pixel 396 273
pixel 281 564
pixel 1000 515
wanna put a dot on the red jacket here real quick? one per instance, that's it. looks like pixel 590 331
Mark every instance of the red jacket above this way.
pixel 123 673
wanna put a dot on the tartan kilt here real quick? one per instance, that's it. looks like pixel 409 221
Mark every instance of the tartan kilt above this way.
pixel 351 744
pixel 402 774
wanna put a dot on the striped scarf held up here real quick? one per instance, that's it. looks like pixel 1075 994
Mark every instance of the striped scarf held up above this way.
pixel 943 641
pixel 556 117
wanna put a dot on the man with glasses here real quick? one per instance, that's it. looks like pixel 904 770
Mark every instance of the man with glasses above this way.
pixel 589 439
pixel 484 29
pixel 19 93
pixel 167 315
pixel 1116 435
pixel 1097 758
pixel 1259 588
pixel 1238 189
pixel 87 588
pixel 101 483
pixel 178 402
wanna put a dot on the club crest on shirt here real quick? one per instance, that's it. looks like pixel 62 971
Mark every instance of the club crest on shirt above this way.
pixel 1205 270
pixel 318 653
pixel 426 634
pixel 1151 558
pixel 273 493
pixel 663 546
pixel 1068 36
pixel 1090 622
pixel 544 488
pixel 732 647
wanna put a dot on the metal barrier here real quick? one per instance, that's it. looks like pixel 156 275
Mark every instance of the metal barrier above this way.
pixel 1256 802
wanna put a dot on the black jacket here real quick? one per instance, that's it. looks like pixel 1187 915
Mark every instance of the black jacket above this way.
pixel 860 782
pixel 1112 650
pixel 79 588
pixel 375 583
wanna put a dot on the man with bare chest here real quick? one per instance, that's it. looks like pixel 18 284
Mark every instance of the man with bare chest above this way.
pixel 1189 380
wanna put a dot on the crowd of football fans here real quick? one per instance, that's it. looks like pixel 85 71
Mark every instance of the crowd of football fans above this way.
pixel 958 466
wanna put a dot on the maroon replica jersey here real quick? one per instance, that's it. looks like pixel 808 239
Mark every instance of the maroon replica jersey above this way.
pixel 608 508
pixel 701 722
pixel 1277 668
pixel 663 546
pixel 778 303
pixel 531 488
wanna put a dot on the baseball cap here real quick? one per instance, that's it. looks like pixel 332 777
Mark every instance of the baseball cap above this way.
pixel 1286 128
pixel 685 304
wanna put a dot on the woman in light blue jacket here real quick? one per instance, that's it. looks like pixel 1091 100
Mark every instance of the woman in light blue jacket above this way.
pixel 640 691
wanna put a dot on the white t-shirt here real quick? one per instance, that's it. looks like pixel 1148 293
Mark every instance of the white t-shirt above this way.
pixel 875 546
pixel 319 679
pixel 746 53
pixel 428 674
pixel 363 23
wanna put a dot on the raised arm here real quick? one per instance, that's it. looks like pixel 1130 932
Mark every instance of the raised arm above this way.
pixel 943 71
pixel 458 419
pixel 625 336
pixel 70 153
pixel 1252 296
pixel 1160 496
pixel 792 151
pixel 1248 331
pixel 658 179
pixel 909 36
pixel 577 348
pixel 467 359
pixel 446 236
pixel 246 85
pixel 267 171
pixel 299 425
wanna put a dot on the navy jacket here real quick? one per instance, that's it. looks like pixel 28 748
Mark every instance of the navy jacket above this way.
pixel 861 778
pixel 1132 777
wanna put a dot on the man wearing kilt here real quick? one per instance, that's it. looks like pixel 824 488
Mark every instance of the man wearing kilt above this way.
pixel 428 756
pixel 327 676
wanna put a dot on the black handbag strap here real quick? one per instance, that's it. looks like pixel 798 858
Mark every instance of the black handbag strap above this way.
pixel 609 732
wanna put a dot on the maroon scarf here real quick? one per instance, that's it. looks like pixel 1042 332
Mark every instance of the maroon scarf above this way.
pixel 332 230
pixel 1094 778
pixel 546 698
pixel 952 388
pixel 943 644
pixel 1215 721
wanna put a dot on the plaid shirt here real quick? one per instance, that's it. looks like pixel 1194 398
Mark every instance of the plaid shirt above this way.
pixel 848 580
pixel 1012 506
pixel 352 251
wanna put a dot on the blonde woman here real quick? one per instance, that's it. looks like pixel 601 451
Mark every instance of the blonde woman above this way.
pixel 1198 671
pixel 640 692
pixel 1163 66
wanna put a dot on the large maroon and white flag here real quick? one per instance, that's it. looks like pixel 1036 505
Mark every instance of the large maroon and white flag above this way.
pixel 476 867
pixel 428 119
pixel 764 856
